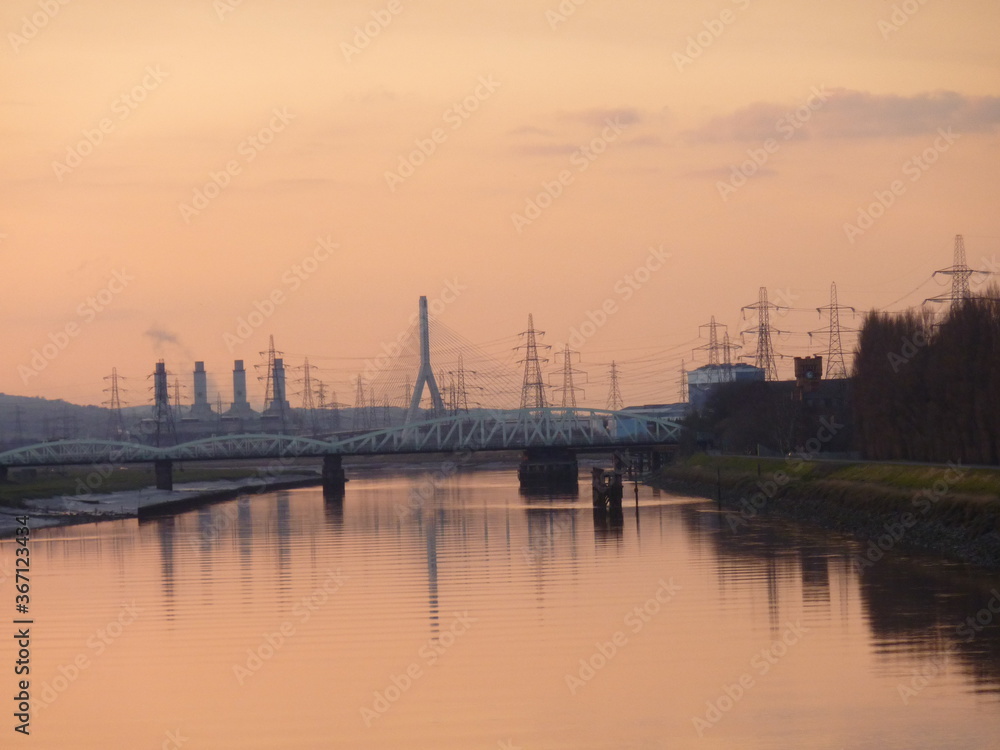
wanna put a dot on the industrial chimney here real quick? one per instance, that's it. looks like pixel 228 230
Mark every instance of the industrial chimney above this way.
pixel 201 408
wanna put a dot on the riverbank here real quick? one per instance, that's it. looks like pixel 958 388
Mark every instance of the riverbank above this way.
pixel 949 510
pixel 71 495
pixel 63 510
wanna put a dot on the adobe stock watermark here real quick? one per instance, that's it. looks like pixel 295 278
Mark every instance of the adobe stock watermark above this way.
pixel 714 28
pixel 451 291
pixel 749 507
pixel 914 168
pixel 896 530
pixel 786 126
pixel 99 473
pixel 900 16
pixel 761 663
pixel 990 265
pixel 174 740
pixel 539 544
pixel 454 117
pixel 98 642
pixel 363 35
pixel 427 656
pixel 624 289
pixel 293 278
pixel 935 666
pixel 33 24
pixel 87 312
pixel 784 298
pixel 910 347
pixel 581 159
pixel 5 571
pixel 558 15
pixel 634 621
pixel 248 149
pixel 302 612
pixel 123 106
pixel 430 483
pixel 223 8
pixel 275 468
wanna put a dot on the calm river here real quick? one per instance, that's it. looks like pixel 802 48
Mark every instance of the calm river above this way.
pixel 480 618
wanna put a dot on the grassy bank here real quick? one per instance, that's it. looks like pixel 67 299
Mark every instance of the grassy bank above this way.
pixel 949 510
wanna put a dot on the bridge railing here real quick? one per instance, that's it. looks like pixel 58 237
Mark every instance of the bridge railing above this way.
pixel 508 430
pixel 513 430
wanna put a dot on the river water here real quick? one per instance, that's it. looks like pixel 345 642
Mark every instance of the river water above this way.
pixel 480 618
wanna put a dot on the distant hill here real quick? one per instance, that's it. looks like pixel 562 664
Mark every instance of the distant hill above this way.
pixel 28 419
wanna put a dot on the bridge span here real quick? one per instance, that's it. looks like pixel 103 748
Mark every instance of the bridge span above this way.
pixel 525 429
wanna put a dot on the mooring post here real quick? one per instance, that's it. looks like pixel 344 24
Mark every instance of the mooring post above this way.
pixel 164 470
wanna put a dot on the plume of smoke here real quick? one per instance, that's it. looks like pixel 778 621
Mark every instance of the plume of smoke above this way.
pixel 161 338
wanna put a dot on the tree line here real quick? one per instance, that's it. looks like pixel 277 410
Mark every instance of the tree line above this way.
pixel 927 387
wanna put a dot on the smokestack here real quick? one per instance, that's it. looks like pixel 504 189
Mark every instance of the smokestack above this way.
pixel 239 385
pixel 240 408
pixel 279 381
pixel 161 399
pixel 161 405
pixel 200 409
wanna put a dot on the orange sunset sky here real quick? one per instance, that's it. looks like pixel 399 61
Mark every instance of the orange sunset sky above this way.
pixel 120 118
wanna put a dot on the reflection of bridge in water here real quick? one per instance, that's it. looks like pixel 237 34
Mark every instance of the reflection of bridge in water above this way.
pixel 537 432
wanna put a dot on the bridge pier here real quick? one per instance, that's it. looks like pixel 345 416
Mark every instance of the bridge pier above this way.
pixel 164 470
pixel 3 473
pixel 334 478
pixel 548 467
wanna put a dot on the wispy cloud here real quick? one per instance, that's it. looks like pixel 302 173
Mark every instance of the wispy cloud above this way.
pixel 564 133
pixel 598 117
pixel 859 114
pixel 724 173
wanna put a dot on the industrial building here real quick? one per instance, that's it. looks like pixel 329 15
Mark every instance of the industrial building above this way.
pixel 703 380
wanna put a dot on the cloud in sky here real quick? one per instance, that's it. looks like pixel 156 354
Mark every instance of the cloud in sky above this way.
pixel 847 113
pixel 599 116
pixel 581 126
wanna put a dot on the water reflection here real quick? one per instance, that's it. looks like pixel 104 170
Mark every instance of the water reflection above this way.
pixel 434 607
pixel 546 577
pixel 922 609
pixel 609 524
pixel 165 535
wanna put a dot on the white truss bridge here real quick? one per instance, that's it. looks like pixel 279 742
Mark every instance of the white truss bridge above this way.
pixel 578 429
